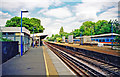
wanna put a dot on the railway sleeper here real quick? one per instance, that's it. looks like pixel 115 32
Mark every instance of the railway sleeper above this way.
pixel 103 67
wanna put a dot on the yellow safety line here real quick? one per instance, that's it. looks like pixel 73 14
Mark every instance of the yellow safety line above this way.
pixel 47 72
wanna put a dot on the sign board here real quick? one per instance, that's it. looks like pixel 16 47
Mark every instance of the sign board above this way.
pixel 63 39
pixel 22 34
pixel 70 39
pixel 17 34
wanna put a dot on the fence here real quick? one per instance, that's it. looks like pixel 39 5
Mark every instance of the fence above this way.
pixel 9 50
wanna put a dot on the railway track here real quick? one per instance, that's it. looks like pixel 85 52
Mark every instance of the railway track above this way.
pixel 84 65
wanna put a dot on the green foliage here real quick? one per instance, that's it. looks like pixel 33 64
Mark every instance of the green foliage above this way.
pixel 4 39
pixel 75 33
pixel 87 28
pixel 117 39
pixel 100 27
pixel 90 28
pixel 61 30
pixel 27 23
pixel 47 38
pixel 58 39
pixel 64 34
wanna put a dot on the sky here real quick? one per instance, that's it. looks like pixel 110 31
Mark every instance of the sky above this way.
pixel 56 13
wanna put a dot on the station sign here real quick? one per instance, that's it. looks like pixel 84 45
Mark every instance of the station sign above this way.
pixel 18 34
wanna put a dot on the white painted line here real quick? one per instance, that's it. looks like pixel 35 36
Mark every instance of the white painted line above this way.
pixel 63 63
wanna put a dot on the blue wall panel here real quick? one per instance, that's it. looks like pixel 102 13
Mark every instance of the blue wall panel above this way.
pixel 9 50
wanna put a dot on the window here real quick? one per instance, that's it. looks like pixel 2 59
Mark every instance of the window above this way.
pixel 99 40
pixel 96 39
pixel 3 34
pixel 10 33
pixel 107 40
pixel 103 40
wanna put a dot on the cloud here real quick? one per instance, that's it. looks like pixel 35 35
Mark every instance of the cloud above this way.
pixel 70 17
pixel 100 1
pixel 66 20
pixel 88 11
pixel 3 21
pixel 3 18
pixel 59 12
pixel 52 26
pixel 16 5
pixel 4 15
pixel 110 14
pixel 80 13
pixel 43 10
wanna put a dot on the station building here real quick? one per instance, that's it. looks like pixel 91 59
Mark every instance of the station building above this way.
pixel 102 38
pixel 37 37
pixel 14 34
pixel 105 38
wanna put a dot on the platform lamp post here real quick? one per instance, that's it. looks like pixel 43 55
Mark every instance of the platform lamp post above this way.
pixel 33 36
pixel 91 35
pixel 112 33
pixel 21 33
pixel 81 37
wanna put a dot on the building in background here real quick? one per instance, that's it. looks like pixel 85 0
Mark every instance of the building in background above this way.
pixel 105 38
pixel 102 38
pixel 14 34
pixel 37 37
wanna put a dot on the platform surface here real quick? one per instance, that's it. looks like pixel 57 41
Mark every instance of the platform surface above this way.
pixel 37 62
pixel 32 63
pixel 61 69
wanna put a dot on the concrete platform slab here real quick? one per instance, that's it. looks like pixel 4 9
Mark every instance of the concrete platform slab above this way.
pixel 62 70
pixel 32 63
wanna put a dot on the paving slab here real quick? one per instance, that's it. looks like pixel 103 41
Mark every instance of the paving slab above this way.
pixel 62 70
pixel 31 63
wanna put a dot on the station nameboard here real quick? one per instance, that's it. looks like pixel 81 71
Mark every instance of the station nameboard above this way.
pixel 70 38
pixel 17 34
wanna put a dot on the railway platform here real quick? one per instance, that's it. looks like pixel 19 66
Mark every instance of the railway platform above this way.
pixel 85 62
pixel 105 49
pixel 56 60
pixel 36 62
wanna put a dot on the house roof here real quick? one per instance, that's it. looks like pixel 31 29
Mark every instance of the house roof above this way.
pixel 38 34
pixel 15 29
pixel 109 34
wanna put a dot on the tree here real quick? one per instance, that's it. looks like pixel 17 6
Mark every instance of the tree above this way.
pixel 116 27
pixel 61 30
pixel 87 27
pixel 117 39
pixel 47 38
pixel 27 23
pixel 58 39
